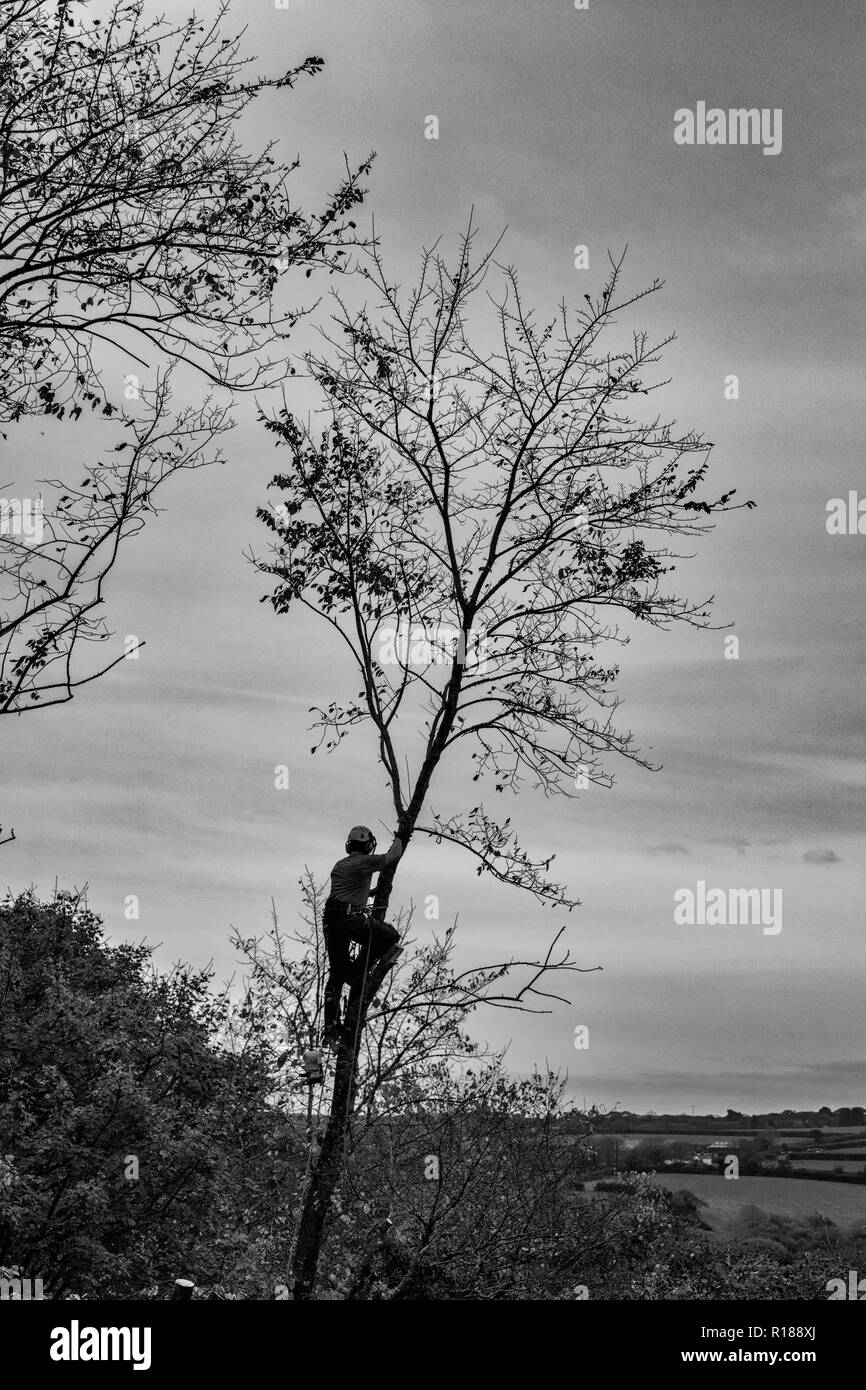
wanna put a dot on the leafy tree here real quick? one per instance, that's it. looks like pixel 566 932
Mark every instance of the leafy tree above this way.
pixel 137 1146
pixel 652 1155
pixel 468 524
pixel 669 1257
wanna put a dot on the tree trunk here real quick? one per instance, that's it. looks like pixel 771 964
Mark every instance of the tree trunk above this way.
pixel 328 1166
pixel 327 1169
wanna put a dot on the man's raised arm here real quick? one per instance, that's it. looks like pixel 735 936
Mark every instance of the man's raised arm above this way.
pixel 394 852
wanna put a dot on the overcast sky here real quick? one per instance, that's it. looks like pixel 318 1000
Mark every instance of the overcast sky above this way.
pixel 558 123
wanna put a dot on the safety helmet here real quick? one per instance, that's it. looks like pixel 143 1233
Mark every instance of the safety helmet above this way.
pixel 360 837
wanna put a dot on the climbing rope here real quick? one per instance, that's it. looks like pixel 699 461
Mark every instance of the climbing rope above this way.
pixel 313 1141
pixel 369 915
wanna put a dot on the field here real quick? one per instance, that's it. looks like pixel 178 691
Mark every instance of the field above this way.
pixel 842 1203
pixel 803 1140
pixel 848 1165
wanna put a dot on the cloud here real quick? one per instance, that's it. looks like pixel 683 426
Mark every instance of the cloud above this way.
pixel 821 856
pixel 733 842
pixel 666 849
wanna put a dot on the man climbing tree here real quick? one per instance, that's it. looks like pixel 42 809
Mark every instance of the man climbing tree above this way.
pixel 468 523
pixel 346 920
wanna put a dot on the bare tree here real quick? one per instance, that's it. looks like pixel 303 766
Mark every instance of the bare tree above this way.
pixel 52 583
pixel 473 1183
pixel 412 1099
pixel 135 232
pixel 470 524
pixel 130 215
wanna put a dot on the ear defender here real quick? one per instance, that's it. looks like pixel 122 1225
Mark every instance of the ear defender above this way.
pixel 360 837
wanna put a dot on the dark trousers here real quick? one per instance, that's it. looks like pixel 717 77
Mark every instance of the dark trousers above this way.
pixel 342 924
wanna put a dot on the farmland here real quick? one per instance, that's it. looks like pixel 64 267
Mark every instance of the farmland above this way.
pixel 823 1165
pixel 799 1197
pixel 777 1137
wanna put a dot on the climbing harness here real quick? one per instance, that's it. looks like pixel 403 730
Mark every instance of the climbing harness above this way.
pixel 314 1070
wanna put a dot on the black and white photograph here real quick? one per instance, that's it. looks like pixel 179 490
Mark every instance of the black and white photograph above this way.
pixel 432 540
